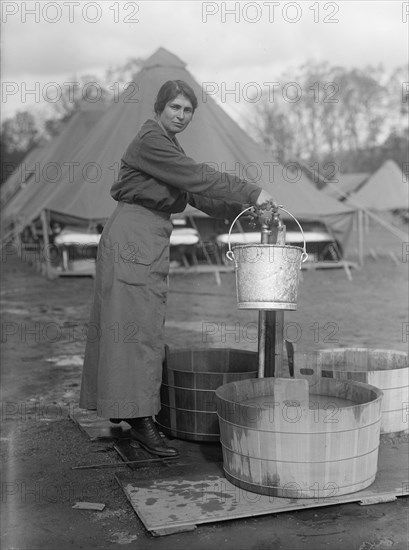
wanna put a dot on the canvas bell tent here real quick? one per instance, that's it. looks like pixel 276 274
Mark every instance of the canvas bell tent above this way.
pixel 83 196
pixel 384 193
pixel 345 184
pixel 20 175
pixel 39 175
pixel 387 189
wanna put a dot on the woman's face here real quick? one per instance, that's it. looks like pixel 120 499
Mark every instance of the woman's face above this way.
pixel 176 115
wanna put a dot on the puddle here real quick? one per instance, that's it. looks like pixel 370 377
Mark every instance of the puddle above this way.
pixel 16 311
pixel 123 537
pixel 67 360
pixel 194 326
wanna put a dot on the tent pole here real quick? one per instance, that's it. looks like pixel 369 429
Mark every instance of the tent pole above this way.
pixel 360 238
pixel 46 243
pixel 18 243
pixel 367 223
pixel 202 244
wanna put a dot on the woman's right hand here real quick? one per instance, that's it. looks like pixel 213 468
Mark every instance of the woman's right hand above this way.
pixel 264 198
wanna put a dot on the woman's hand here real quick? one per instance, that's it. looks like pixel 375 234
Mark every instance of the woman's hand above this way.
pixel 264 198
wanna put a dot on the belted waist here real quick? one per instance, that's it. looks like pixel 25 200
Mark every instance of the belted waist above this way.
pixel 144 210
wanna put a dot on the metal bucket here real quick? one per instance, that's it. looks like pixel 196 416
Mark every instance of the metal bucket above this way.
pixel 267 275
pixel 286 438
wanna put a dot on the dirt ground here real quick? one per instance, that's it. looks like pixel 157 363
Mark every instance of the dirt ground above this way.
pixel 43 340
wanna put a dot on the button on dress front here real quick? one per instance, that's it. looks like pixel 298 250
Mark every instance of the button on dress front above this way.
pixel 122 370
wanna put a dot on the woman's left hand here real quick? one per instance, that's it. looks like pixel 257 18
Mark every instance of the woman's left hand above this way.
pixel 266 198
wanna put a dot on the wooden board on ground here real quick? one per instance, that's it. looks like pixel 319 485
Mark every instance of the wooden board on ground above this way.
pixel 190 452
pixel 130 451
pixel 98 428
pixel 101 429
pixel 181 497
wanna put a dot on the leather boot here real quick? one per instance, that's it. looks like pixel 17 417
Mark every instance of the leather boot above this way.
pixel 145 432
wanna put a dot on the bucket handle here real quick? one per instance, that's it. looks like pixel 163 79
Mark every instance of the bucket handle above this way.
pixel 230 253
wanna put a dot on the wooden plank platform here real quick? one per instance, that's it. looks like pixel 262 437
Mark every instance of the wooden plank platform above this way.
pixel 101 429
pixel 136 456
pixel 190 452
pixel 181 496
pixel 97 428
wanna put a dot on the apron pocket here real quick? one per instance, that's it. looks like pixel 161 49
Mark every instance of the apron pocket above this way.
pixel 133 270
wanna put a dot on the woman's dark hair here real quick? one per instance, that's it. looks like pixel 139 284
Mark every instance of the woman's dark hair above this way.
pixel 170 90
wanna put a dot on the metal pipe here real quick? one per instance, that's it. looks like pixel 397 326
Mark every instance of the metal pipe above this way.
pixel 261 343
pixel 262 317
pixel 271 322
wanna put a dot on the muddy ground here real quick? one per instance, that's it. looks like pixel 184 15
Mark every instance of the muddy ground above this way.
pixel 43 335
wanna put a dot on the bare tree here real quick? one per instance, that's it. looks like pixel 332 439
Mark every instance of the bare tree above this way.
pixel 336 112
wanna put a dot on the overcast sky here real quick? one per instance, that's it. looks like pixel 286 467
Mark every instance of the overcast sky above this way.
pixel 220 42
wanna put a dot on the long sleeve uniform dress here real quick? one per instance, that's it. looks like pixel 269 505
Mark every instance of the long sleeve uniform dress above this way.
pixel 124 350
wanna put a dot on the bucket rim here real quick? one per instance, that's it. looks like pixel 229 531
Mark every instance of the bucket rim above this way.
pixel 265 245
pixel 209 373
pixel 202 349
pixel 328 351
pixel 377 391
pixel 171 352
pixel 357 348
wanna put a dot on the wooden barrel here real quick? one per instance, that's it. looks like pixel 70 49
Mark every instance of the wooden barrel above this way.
pixel 190 378
pixel 275 444
pixel 385 369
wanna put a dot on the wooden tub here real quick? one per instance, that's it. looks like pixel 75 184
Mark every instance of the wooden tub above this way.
pixel 385 369
pixel 190 378
pixel 275 444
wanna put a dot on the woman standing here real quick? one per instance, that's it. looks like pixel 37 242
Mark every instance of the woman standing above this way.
pixel 124 352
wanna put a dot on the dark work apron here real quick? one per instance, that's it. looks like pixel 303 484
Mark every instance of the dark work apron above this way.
pixel 123 357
